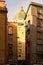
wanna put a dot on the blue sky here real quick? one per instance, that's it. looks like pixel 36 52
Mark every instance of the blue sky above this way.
pixel 14 5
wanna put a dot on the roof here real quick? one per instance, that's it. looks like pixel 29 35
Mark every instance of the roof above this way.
pixel 2 0
pixel 21 14
pixel 35 4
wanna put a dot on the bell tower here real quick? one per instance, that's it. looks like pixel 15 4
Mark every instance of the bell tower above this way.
pixel 3 33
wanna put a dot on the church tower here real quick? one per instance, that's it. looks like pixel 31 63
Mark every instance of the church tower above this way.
pixel 3 32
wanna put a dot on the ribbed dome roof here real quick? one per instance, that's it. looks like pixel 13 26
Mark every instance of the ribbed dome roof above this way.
pixel 21 14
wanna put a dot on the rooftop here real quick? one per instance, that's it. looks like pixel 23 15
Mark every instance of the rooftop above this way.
pixel 36 4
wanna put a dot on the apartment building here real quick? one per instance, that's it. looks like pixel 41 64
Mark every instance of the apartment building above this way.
pixel 12 42
pixel 34 33
pixel 3 32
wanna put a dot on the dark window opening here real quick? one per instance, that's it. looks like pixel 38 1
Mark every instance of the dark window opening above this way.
pixel 19 55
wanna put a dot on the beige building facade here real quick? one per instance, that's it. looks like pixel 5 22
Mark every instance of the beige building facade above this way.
pixel 34 33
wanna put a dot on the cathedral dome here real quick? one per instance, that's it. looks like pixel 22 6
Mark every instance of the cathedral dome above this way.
pixel 21 14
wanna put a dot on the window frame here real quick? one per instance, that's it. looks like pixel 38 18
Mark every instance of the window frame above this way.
pixel 10 30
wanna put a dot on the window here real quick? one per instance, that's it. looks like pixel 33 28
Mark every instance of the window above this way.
pixel 17 37
pixel 33 56
pixel 10 30
pixel 39 29
pixel 10 58
pixel 19 44
pixel 20 23
pixel 26 25
pixel 28 56
pixel 39 56
pixel 39 41
pixel 28 49
pixel 28 31
pixel 28 37
pixel 39 36
pixel 19 40
pixel 19 50
pixel 28 44
pixel 39 33
pixel 27 41
pixel 10 55
pixel 29 22
pixel 1 59
pixel 19 55
pixel 39 22
pixel 10 47
pixel 22 32
pixel 39 47
pixel 10 50
pixel 42 55
pixel 39 10
pixel 10 39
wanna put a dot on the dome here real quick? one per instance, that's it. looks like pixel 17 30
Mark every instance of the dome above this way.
pixel 21 14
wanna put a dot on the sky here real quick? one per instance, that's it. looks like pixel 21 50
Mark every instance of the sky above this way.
pixel 14 5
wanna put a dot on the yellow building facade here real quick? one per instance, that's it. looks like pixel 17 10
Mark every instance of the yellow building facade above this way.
pixel 19 18
pixel 21 40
